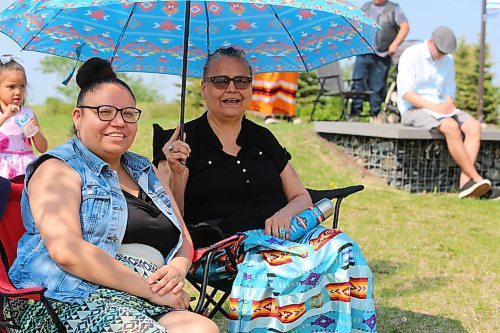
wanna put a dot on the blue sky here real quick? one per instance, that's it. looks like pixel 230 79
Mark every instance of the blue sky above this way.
pixel 462 16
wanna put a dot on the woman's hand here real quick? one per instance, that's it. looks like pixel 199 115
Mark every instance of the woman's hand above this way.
pixel 278 225
pixel 168 279
pixel 176 152
pixel 177 301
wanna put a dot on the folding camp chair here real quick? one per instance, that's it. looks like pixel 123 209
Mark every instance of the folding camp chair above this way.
pixel 331 83
pixel 11 230
pixel 221 289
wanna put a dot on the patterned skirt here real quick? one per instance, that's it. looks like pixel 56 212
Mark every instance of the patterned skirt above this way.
pixel 320 283
pixel 105 310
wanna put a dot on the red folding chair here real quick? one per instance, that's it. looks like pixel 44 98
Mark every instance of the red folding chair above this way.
pixel 210 303
pixel 11 230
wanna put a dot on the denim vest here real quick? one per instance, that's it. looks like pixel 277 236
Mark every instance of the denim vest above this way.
pixel 103 218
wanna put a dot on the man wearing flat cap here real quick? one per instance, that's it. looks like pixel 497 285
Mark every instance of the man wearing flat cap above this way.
pixel 426 92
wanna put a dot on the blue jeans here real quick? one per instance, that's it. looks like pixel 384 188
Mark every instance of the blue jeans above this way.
pixel 374 69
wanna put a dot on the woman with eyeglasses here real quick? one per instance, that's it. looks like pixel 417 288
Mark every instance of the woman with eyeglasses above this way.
pixel 229 170
pixel 231 175
pixel 103 235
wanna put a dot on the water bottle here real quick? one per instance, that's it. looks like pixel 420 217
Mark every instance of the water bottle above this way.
pixel 310 218
pixel 23 121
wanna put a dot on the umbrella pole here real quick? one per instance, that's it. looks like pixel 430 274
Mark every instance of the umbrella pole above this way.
pixel 187 19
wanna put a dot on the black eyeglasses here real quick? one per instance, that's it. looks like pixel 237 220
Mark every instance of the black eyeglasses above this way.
pixel 109 112
pixel 222 81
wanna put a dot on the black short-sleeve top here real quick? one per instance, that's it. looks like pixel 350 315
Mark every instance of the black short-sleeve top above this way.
pixel 242 191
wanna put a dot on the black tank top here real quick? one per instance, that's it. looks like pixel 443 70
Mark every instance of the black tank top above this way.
pixel 147 225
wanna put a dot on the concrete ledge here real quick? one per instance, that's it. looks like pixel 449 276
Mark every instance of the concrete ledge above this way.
pixel 413 159
pixel 392 131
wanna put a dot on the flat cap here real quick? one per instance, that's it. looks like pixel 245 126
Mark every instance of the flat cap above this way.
pixel 444 39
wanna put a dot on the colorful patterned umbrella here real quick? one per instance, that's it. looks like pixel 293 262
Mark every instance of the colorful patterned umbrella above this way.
pixel 150 36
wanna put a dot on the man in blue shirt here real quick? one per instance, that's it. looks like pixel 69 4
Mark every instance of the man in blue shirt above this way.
pixel 426 92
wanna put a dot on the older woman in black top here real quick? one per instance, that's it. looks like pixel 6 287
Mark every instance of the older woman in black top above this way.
pixel 232 173
pixel 230 169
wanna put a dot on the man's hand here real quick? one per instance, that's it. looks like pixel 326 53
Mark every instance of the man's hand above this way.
pixel 447 106
pixel 392 48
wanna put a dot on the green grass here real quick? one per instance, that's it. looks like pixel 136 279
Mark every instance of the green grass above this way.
pixel 434 257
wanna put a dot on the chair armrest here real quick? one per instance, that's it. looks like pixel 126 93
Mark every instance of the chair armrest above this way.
pixel 200 253
pixel 208 253
pixel 35 293
pixel 339 194
pixel 317 195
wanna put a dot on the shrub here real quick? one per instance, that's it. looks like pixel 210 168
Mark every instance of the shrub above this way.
pixel 56 106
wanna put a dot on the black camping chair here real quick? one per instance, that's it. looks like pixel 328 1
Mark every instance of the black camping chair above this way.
pixel 223 287
pixel 331 83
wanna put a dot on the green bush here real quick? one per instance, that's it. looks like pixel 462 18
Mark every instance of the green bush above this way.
pixel 169 110
pixel 56 106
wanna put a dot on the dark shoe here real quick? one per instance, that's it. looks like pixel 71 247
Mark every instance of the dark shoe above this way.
pixel 474 189
pixel 492 194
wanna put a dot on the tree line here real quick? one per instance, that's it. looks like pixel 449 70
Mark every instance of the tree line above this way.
pixel 466 68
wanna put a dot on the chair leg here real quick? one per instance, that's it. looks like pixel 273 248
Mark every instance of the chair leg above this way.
pixel 218 307
pixel 344 102
pixel 203 290
pixel 210 299
pixel 314 106
pixel 387 100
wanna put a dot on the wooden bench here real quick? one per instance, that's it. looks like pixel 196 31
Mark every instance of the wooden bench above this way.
pixel 413 159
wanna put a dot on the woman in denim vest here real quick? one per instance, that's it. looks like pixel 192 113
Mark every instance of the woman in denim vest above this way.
pixel 103 236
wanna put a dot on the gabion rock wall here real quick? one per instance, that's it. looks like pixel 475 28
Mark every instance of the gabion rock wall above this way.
pixel 416 165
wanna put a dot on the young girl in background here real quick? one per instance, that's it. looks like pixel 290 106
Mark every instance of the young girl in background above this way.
pixel 15 147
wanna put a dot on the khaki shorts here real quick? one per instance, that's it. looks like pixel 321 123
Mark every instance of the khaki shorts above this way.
pixel 420 118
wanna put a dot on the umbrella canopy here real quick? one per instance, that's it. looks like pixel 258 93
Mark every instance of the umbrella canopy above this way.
pixel 147 36
pixel 151 36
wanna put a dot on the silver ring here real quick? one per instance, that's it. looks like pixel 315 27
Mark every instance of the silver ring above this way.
pixel 170 147
pixel 282 232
